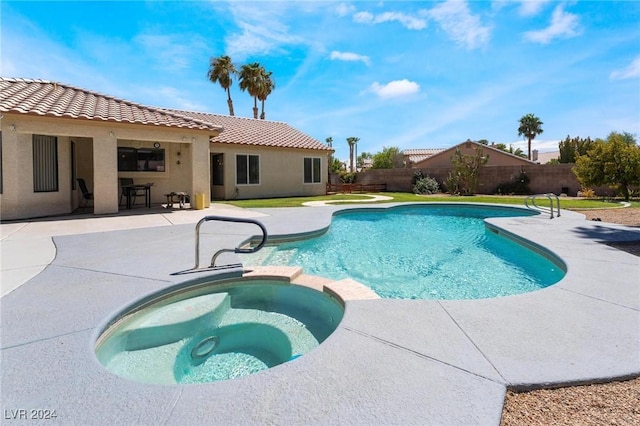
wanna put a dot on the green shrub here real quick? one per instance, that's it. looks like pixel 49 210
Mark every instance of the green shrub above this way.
pixel 346 177
pixel 426 186
pixel 417 175
pixel 518 185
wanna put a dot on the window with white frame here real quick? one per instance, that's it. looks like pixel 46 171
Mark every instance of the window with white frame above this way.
pixel 247 169
pixel 312 170
pixel 45 163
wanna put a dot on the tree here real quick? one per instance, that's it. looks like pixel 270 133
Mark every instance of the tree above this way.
pixel 266 85
pixel 389 158
pixel 329 141
pixel 221 70
pixel 517 152
pixel 614 162
pixel 530 127
pixel 360 160
pixel 250 81
pixel 352 141
pixel 571 148
pixel 336 165
pixel 463 179
pixel 503 147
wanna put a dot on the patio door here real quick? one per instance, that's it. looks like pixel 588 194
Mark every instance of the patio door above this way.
pixel 217 176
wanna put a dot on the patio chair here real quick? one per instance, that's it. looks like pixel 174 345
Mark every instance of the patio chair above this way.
pixel 86 195
pixel 125 185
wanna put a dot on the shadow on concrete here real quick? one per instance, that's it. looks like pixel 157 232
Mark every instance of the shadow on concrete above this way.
pixel 606 234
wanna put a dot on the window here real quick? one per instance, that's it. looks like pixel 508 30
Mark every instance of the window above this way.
pixel 247 170
pixel 312 170
pixel 140 160
pixel 45 163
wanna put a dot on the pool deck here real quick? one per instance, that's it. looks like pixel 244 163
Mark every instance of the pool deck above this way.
pixel 389 361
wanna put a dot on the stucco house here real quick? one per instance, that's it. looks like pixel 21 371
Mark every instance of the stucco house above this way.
pixel 441 158
pixel 51 134
pixel 414 156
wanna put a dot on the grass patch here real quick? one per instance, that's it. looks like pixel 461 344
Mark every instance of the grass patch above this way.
pixel 402 197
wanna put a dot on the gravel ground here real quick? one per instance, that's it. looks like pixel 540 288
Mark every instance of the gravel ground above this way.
pixel 614 403
pixel 625 216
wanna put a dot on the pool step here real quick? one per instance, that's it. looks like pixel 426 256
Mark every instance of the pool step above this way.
pixel 269 256
pixel 257 258
pixel 282 257
pixel 175 321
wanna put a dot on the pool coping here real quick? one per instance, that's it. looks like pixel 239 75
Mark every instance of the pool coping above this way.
pixel 443 362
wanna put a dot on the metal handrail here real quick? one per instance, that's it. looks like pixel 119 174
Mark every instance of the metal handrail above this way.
pixel 238 250
pixel 550 196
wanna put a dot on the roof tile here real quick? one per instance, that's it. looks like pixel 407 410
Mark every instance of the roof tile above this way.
pixel 41 97
pixel 249 131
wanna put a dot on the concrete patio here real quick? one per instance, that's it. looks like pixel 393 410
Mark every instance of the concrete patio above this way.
pixel 389 361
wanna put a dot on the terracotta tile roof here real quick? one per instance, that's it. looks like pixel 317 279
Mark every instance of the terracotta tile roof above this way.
pixel 418 155
pixel 249 131
pixel 415 153
pixel 46 98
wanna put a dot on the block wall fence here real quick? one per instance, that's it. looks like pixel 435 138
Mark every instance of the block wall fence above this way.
pixel 555 178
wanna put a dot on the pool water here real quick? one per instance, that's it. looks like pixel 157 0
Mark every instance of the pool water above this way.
pixel 218 331
pixel 421 252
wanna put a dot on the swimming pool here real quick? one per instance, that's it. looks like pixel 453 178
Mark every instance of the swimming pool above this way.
pixel 216 330
pixel 421 252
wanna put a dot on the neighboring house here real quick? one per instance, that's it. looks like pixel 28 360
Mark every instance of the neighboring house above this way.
pixel 51 134
pixel 497 157
pixel 544 157
pixel 367 164
pixel 415 156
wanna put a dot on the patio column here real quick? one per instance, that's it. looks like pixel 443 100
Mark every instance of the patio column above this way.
pixel 105 173
pixel 200 181
pixel 17 157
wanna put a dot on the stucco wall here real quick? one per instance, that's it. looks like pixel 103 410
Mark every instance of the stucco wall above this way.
pixel 18 198
pixel 96 161
pixel 175 177
pixel 96 144
pixel 281 172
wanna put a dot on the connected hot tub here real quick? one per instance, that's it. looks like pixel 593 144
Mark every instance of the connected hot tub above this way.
pixel 216 330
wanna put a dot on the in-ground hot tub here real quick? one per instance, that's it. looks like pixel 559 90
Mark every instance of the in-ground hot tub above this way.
pixel 216 330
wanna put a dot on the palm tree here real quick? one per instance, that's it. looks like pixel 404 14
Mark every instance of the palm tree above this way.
pixel 250 78
pixel 266 86
pixel 530 127
pixel 329 141
pixel 352 141
pixel 221 70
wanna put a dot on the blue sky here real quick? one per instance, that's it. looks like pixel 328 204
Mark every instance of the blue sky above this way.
pixel 413 74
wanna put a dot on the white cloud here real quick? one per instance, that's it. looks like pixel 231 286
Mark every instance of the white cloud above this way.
pixel 172 97
pixel 539 144
pixel 261 30
pixel 170 52
pixel 407 21
pixel 395 89
pixel 457 21
pixel 563 24
pixel 631 71
pixel 344 9
pixel 349 57
pixel 531 7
